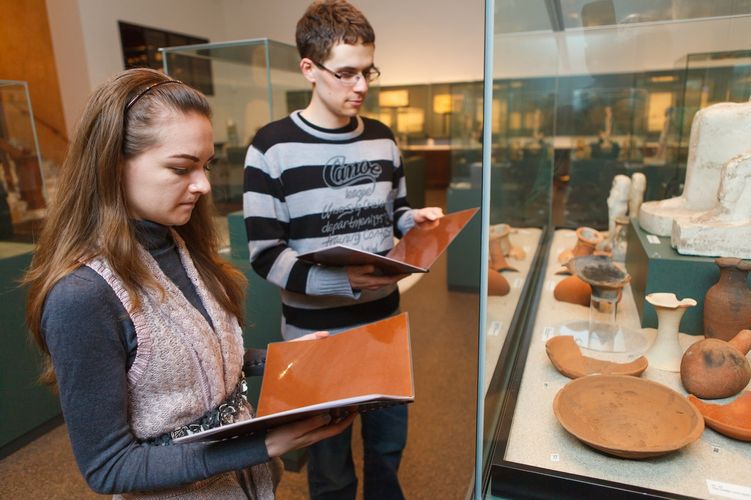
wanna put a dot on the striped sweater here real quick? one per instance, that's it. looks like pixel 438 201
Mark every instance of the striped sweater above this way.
pixel 307 188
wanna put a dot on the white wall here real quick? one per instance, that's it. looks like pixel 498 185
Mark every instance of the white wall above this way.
pixel 417 41
pixel 86 39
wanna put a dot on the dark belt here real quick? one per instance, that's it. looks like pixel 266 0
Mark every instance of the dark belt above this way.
pixel 223 414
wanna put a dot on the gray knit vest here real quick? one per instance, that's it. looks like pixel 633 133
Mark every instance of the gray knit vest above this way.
pixel 182 369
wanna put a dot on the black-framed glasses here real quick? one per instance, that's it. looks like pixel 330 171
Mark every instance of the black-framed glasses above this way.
pixel 350 78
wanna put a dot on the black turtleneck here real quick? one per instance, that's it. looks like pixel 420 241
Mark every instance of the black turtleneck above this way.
pixel 93 342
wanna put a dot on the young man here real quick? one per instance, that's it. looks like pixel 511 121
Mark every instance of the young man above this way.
pixel 325 176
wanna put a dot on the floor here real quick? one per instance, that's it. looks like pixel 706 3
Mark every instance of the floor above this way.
pixel 439 458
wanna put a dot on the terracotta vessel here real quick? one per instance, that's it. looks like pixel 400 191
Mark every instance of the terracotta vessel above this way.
pixel 499 263
pixel 573 290
pixel 628 417
pixel 727 304
pixel 568 359
pixel 666 353
pixel 500 240
pixel 587 239
pixel 497 284
pixel 713 369
pixel 732 420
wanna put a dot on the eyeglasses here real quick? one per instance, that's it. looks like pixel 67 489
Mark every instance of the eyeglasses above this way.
pixel 350 78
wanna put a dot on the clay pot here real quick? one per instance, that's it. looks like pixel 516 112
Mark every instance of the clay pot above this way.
pixel 727 304
pixel 732 420
pixel 713 368
pixel 573 290
pixel 498 261
pixel 497 285
pixel 586 241
pixel 568 359
pixel 500 243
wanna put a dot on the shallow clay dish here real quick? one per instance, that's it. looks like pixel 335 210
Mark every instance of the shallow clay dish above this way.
pixel 732 420
pixel 568 359
pixel 628 417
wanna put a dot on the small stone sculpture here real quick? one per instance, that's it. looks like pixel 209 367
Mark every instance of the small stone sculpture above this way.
pixel 636 194
pixel 618 199
pixel 718 133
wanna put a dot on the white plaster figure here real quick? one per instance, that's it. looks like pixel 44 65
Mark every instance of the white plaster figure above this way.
pixel 724 230
pixel 636 195
pixel 718 133
pixel 618 199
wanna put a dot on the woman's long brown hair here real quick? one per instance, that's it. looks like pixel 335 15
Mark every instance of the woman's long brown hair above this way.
pixel 89 215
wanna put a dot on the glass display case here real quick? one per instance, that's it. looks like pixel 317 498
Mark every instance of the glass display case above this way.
pixel 251 82
pixel 23 202
pixel 22 190
pixel 608 88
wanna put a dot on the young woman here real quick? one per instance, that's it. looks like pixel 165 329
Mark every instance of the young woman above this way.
pixel 138 316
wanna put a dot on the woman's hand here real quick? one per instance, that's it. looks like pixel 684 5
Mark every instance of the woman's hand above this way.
pixel 312 336
pixel 303 433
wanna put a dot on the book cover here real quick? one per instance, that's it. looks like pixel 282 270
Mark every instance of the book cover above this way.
pixel 414 253
pixel 356 370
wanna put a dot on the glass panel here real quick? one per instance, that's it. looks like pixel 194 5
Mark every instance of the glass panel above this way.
pixel 583 109
pixel 22 190
pixel 253 82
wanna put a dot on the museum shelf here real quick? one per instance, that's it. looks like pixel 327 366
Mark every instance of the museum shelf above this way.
pixel 536 450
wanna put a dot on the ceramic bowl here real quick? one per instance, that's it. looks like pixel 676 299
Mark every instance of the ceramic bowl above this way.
pixel 732 420
pixel 627 417
pixel 568 359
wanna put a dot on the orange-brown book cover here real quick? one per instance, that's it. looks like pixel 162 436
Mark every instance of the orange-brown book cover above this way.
pixel 364 368
pixel 415 252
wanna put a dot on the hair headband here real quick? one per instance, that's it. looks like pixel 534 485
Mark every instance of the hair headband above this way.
pixel 144 91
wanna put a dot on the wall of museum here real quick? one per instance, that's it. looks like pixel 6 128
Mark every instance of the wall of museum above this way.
pixel 27 55
pixel 419 41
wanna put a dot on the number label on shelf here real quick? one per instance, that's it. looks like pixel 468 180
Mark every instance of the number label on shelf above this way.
pixel 654 240
pixel 547 333
pixel 495 328
pixel 555 457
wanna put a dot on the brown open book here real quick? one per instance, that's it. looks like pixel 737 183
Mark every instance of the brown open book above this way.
pixel 414 253
pixel 361 369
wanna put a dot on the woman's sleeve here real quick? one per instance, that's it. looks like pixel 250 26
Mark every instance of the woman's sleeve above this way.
pixel 86 330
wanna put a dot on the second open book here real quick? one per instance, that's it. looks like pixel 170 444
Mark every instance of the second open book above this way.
pixel 356 370
pixel 414 253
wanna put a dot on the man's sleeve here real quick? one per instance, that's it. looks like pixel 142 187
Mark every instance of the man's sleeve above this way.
pixel 267 227
pixel 403 217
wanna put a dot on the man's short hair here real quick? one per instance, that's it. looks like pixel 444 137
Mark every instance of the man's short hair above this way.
pixel 328 22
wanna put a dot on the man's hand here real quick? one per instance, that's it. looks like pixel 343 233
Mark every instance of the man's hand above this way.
pixel 363 278
pixel 425 217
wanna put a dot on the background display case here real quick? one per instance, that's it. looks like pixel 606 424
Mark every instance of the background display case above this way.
pixel 23 202
pixel 607 87
pixel 253 82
